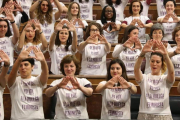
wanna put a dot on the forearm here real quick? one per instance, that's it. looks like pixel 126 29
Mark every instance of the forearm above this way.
pixel 133 89
pixel 21 41
pixel 16 33
pixel 82 46
pixel 123 25
pixel 107 47
pixel 60 9
pixel 33 8
pixel 52 40
pixel 74 41
pixel 171 54
pixel 100 88
pixel 51 90
pixel 3 76
pixel 137 68
pixel 86 91
pixel 44 73
pixel 148 25
pixel 44 41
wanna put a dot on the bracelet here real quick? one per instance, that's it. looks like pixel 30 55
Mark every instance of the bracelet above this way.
pixel 130 86
pixel 6 65
pixel 41 32
pixel 175 53
pixel 57 87
pixel 13 22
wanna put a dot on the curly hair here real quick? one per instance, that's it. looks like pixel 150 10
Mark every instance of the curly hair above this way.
pixel 69 11
pixel 48 15
pixel 36 39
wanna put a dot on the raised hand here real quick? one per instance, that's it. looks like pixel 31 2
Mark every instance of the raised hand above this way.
pixel 148 46
pixel 166 18
pixel 161 48
pixel 36 24
pixel 8 4
pixel 71 27
pixel 123 83
pixel 18 6
pixel 63 83
pixel 74 83
pixel 4 57
pixel 140 24
pixel 59 26
pixel 9 15
pixel 90 39
pixel 133 22
pixel 80 23
pixel 111 83
pixel 38 54
pixel 129 43
pixel 175 18
pixel 25 53
pixel 102 39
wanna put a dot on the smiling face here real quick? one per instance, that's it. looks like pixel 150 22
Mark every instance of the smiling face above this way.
pixel 157 35
pixel 44 6
pixel 63 36
pixel 74 9
pixel 136 8
pixel 170 7
pixel 115 70
pixel 134 33
pixel 94 30
pixel 70 69
pixel 156 64
pixel 108 13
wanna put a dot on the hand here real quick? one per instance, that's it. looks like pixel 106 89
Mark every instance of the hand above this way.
pixel 133 22
pixel 112 24
pixel 71 27
pixel 128 43
pixel 4 58
pixel 9 15
pixel 123 83
pixel 25 53
pixel 137 43
pixel 18 6
pixel 140 24
pixel 166 18
pixel 110 84
pixel 175 18
pixel 8 4
pixel 38 54
pixel 36 24
pixel 90 39
pixel 161 48
pixel 74 83
pixel 165 43
pixel 148 46
pixel 63 83
pixel 59 26
pixel 102 39
pixel 105 27
pixel 80 23
pixel 1 10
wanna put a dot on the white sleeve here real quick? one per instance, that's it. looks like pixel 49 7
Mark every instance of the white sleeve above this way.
pixel 124 2
pixel 117 50
pixel 102 3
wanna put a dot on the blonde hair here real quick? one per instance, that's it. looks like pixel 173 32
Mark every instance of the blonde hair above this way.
pixel 69 11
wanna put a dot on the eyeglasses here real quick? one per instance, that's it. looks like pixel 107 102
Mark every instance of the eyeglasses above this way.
pixel 109 11
pixel 94 30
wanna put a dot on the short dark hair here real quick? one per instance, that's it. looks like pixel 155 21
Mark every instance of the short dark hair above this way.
pixel 130 7
pixel 68 59
pixel 68 42
pixel 30 60
pixel 127 31
pixel 87 34
pixel 109 2
pixel 121 63
pixel 156 26
pixel 165 1
pixel 176 29
pixel 8 33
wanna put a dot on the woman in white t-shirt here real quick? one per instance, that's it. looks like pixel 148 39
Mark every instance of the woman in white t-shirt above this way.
pixel 42 10
pixel 156 33
pixel 116 92
pixel 86 8
pixel 94 51
pixel 61 44
pixel 136 19
pixel 74 16
pixel 169 21
pixel 174 52
pixel 119 6
pixel 109 23
pixel 32 35
pixel 7 40
pixel 71 91
pixel 129 49
pixel 155 87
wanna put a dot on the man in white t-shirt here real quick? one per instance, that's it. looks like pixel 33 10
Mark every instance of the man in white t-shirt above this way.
pixel 3 78
pixel 26 90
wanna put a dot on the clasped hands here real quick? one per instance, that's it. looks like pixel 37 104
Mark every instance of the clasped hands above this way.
pixel 173 16
pixel 133 41
pixel 91 39
pixel 59 26
pixel 112 24
pixel 138 21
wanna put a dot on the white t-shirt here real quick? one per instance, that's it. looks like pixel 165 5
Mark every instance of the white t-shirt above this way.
pixel 147 57
pixel 37 66
pixel 8 47
pixel 57 55
pixel 128 56
pixel 71 104
pixel 142 31
pixel 155 95
pixel 176 61
pixel 160 8
pixel 86 9
pixel 1 104
pixel 113 36
pixel 94 60
pixel 48 29
pixel 168 29
pixel 115 103
pixel 26 98
pixel 145 8
pixel 119 8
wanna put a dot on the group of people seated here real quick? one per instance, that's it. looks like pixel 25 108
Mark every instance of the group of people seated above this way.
pixel 40 33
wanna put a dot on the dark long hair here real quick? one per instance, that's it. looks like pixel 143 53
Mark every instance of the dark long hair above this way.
pixel 165 1
pixel 85 0
pixel 109 2
pixel 68 42
pixel 8 33
pixel 121 63
pixel 103 16
pixel 127 32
